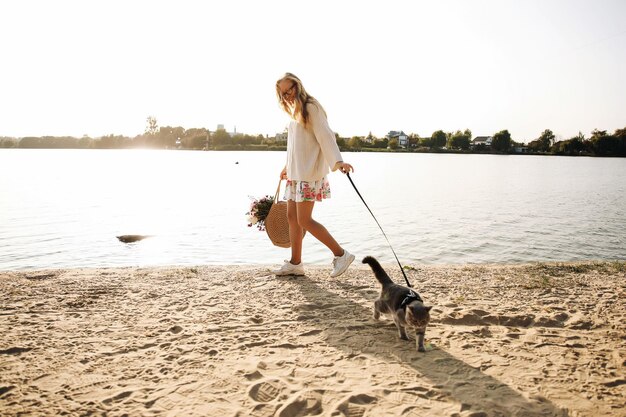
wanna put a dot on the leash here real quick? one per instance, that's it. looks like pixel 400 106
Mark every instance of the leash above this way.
pixel 381 229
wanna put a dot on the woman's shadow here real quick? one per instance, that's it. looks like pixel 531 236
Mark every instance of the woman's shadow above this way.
pixel 344 323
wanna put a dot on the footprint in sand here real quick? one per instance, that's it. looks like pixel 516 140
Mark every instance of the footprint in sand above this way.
pixel 267 390
pixel 522 320
pixel 260 410
pixel 356 405
pixel 304 403
pixel 176 329
pixel 118 397
pixel 401 397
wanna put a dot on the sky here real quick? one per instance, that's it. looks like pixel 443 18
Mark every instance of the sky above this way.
pixel 102 67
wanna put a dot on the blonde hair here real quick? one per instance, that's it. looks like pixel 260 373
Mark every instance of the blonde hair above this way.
pixel 298 110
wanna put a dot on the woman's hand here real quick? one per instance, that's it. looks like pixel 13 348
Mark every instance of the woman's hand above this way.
pixel 283 174
pixel 344 167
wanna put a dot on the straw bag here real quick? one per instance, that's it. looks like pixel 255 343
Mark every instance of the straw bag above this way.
pixel 276 224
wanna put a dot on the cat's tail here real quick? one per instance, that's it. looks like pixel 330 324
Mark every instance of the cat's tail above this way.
pixel 379 272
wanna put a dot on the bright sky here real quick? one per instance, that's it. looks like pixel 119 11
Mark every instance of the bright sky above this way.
pixel 100 67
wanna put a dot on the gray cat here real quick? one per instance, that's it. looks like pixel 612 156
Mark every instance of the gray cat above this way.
pixel 403 304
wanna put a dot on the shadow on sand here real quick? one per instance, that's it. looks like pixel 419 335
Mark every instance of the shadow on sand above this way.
pixel 344 323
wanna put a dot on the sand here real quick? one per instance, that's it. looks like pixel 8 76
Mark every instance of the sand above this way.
pixel 525 340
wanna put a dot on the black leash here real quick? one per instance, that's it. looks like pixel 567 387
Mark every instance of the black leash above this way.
pixel 381 229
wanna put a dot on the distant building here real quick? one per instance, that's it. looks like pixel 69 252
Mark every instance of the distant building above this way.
pixel 369 139
pixel 221 127
pixel 403 138
pixel 281 137
pixel 482 140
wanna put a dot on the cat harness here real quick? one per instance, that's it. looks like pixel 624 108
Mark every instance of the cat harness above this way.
pixel 411 296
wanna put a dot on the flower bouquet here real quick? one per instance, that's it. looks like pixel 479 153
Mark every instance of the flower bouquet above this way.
pixel 270 214
pixel 259 209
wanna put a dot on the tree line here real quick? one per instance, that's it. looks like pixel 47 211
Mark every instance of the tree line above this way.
pixel 167 137
pixel 600 143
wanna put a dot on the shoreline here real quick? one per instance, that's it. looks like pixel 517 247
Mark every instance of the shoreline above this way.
pixel 234 148
pixel 392 268
pixel 233 340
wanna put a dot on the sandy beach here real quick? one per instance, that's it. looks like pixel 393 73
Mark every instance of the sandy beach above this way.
pixel 526 340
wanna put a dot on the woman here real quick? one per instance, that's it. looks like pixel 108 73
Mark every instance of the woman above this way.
pixel 311 150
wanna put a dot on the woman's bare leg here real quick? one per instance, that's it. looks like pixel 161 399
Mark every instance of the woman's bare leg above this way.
pixel 295 233
pixel 305 211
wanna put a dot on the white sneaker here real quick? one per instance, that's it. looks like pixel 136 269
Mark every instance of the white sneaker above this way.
pixel 341 263
pixel 289 269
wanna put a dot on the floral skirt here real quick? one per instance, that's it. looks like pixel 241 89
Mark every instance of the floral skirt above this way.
pixel 300 191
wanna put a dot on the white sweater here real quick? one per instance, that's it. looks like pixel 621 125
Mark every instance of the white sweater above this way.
pixel 311 150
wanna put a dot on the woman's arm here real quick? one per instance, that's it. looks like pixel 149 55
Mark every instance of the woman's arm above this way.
pixel 324 136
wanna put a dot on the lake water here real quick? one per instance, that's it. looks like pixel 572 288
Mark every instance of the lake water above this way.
pixel 63 208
